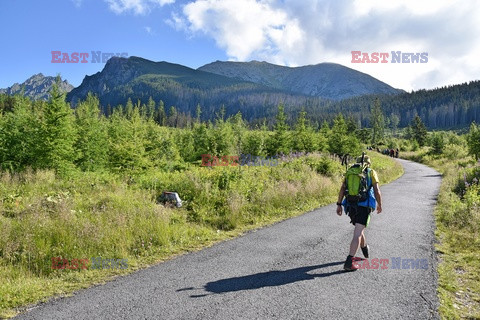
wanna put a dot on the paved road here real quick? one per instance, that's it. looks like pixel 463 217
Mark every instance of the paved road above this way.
pixel 292 270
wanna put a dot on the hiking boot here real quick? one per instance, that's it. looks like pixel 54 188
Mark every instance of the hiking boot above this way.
pixel 365 251
pixel 348 266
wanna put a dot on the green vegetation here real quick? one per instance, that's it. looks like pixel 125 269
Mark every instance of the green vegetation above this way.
pixel 473 141
pixel 377 122
pixel 76 185
pixel 457 218
pixel 417 131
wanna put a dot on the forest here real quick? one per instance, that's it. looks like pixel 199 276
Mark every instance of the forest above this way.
pixel 450 107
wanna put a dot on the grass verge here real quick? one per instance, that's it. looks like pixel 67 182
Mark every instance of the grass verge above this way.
pixel 457 216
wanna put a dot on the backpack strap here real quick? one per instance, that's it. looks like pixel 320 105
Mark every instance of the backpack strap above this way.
pixel 369 178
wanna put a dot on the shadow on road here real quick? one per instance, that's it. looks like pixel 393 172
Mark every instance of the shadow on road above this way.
pixel 266 279
pixel 433 176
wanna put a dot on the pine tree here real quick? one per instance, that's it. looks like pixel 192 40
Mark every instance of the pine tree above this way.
pixel 437 143
pixel 338 136
pixel 162 146
pixel 143 110
pixel 150 108
pixel 419 130
pixel 473 140
pixel 340 141
pixel 127 142
pixel 201 138
pixel 239 129
pixel 394 120
pixel 91 144
pixel 280 141
pixel 303 139
pixel 20 139
pixel 352 125
pixel 161 117
pixel 198 113
pixel 223 136
pixel 186 144
pixel 377 122
pixel 129 109
pixel 57 133
pixel 172 117
pixel 325 128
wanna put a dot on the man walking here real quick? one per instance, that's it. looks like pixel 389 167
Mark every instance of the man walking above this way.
pixel 359 212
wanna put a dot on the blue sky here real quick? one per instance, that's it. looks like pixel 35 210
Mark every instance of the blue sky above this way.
pixel 32 29
pixel 285 32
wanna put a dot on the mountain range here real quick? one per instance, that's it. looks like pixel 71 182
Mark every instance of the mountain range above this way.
pixel 236 85
pixel 254 88
pixel 37 87
pixel 326 80
pixel 257 88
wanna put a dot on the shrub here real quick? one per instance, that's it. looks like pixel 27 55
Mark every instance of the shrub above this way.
pixel 454 151
pixel 437 143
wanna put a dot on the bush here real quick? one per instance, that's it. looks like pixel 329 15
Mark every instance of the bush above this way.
pixel 392 144
pixel 473 140
pixel 414 145
pixel 437 143
pixel 454 151
pixel 324 165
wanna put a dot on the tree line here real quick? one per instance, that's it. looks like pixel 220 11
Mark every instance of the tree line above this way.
pixel 441 108
pixel 136 137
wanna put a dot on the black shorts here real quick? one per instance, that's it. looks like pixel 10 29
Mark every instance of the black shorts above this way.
pixel 359 215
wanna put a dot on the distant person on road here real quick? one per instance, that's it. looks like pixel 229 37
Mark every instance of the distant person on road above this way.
pixel 359 212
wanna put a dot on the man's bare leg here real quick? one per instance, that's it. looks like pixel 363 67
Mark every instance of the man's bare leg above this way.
pixel 357 237
pixel 363 240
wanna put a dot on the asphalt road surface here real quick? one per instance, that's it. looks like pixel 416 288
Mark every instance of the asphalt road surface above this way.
pixel 291 270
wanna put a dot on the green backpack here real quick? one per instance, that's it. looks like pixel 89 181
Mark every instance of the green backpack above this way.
pixel 356 181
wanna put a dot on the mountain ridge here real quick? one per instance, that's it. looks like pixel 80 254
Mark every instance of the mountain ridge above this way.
pixel 327 80
pixel 237 85
pixel 137 78
pixel 37 87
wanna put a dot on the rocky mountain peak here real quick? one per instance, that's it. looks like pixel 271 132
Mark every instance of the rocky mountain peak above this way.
pixel 37 87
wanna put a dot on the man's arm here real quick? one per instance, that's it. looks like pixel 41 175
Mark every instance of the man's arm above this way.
pixel 378 197
pixel 340 198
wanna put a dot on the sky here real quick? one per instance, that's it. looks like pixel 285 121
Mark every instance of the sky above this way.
pixel 285 32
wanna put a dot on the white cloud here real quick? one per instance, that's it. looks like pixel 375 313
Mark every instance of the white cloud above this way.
pixel 137 6
pixel 245 28
pixel 177 22
pixel 293 32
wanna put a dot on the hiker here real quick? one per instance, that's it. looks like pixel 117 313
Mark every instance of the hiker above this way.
pixel 358 204
pixel 396 153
